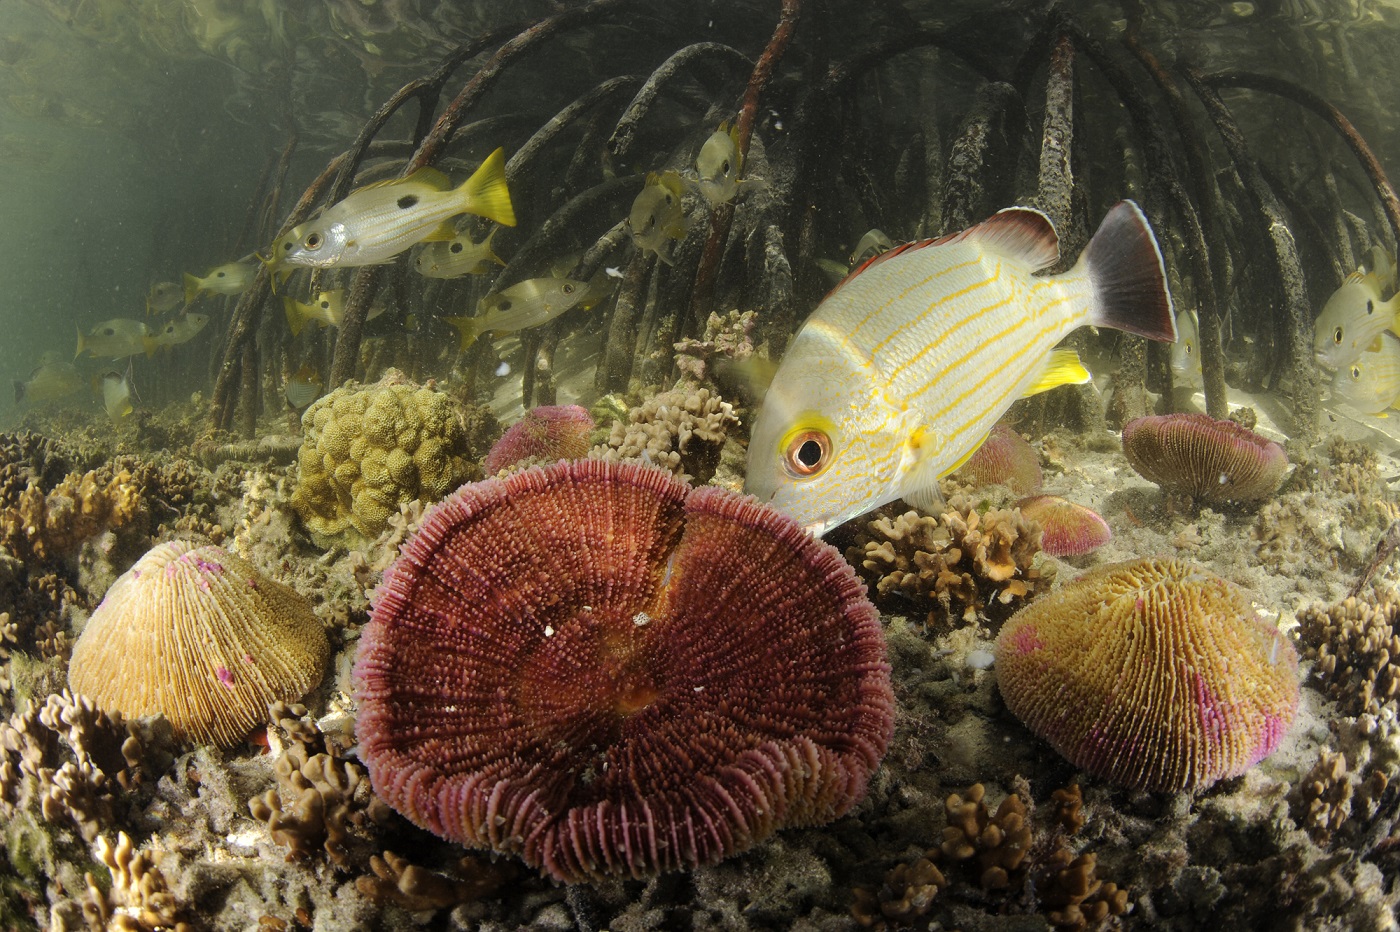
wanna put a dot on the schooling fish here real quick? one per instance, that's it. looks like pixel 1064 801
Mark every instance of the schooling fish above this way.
pixel 900 373
pixel 179 330
pixel 377 222
pixel 230 278
pixel 51 381
pixel 656 217
pixel 1371 383
pixel 114 339
pixel 523 305
pixel 719 165
pixel 163 297
pixel 327 310
pixel 1351 320
pixel 870 245
pixel 457 256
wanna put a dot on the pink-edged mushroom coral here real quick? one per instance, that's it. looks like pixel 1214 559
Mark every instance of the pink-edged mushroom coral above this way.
pixel 595 667
pixel 1067 529
pixel 1212 461
pixel 1004 458
pixel 555 432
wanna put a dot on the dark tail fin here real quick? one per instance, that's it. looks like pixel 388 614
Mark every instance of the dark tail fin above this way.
pixel 1129 278
pixel 19 391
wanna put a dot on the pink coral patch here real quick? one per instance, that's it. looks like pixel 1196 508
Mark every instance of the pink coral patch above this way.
pixel 1067 529
pixel 553 432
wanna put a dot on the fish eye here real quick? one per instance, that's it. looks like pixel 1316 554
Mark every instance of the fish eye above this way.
pixel 1370 306
pixel 568 288
pixel 313 241
pixel 1337 335
pixel 1356 373
pixel 807 453
pixel 325 304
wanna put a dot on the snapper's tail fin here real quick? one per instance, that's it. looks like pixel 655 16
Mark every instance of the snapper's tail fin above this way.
pixel 485 193
pixel 1129 278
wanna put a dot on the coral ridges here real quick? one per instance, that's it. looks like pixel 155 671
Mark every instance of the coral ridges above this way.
pixel 1152 674
pixel 1207 460
pixel 616 704
pixel 680 430
pixel 368 449
pixel 959 567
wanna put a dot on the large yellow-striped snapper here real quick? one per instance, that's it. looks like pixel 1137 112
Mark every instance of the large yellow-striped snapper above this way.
pixel 900 373
pixel 375 223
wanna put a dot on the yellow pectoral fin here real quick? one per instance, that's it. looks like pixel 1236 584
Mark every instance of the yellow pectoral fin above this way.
pixel 1062 368
pixel 445 231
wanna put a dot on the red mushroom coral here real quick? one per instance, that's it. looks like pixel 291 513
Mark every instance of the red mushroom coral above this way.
pixel 1211 461
pixel 555 432
pixel 605 672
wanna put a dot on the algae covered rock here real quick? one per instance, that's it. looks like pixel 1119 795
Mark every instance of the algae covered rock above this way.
pixel 367 449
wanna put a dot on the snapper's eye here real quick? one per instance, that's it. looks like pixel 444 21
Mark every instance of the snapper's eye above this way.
pixel 807 453
pixel 1337 335
pixel 1356 373
pixel 313 241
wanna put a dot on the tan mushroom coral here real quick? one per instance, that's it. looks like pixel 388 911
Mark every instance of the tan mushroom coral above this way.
pixel 201 636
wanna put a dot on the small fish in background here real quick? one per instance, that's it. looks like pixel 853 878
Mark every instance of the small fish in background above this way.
pixel 228 279
pixel 375 223
pixel 164 297
pixel 304 387
pixel 116 394
pixel 178 330
pixel 1351 320
pixel 600 286
pixel 1371 383
pixel 719 165
pixel 51 380
pixel 901 372
pixel 114 339
pixel 457 256
pixel 523 305
pixel 872 244
pixel 327 310
pixel 1186 357
pixel 1380 263
pixel 657 217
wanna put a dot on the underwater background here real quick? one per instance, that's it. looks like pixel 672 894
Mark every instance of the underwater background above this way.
pixel 712 465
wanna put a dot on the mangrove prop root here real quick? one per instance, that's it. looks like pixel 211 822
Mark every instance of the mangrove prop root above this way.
pixel 626 131
pixel 1334 117
pixel 1301 368
pixel 969 158
pixel 618 353
pixel 525 156
pixel 723 215
pixel 1056 174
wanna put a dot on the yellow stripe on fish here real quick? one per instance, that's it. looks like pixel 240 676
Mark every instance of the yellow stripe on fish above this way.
pixel 901 372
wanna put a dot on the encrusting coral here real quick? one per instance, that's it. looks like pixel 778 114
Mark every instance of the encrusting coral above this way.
pixel 1153 674
pixel 683 431
pixel 959 566
pixel 366 450
pixel 644 677
pixel 201 636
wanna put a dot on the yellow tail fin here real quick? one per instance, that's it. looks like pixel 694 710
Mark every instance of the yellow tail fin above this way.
pixel 192 288
pixel 82 344
pixel 468 327
pixel 485 192
pixel 296 320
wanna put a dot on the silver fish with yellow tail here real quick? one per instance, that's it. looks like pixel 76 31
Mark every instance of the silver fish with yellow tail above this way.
pixel 457 256
pixel 375 223
pixel 178 330
pixel 900 373
pixel 228 279
pixel 526 304
pixel 163 297
pixel 114 339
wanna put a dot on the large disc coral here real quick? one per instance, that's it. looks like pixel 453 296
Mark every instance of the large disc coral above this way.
pixel 1210 460
pixel 201 636
pixel 605 672
pixel 1153 674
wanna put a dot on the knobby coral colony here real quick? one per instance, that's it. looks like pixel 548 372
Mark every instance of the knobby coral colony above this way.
pixel 603 671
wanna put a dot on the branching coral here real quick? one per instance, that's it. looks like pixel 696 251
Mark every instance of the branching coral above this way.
pixel 683 431
pixel 369 449
pixel 140 899
pixel 322 802
pixel 727 337
pixel 964 564
pixel 72 762
pixel 1357 650
pixel 1007 861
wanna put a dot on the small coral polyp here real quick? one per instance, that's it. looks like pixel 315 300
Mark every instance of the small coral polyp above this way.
pixel 599 669
pixel 1152 674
